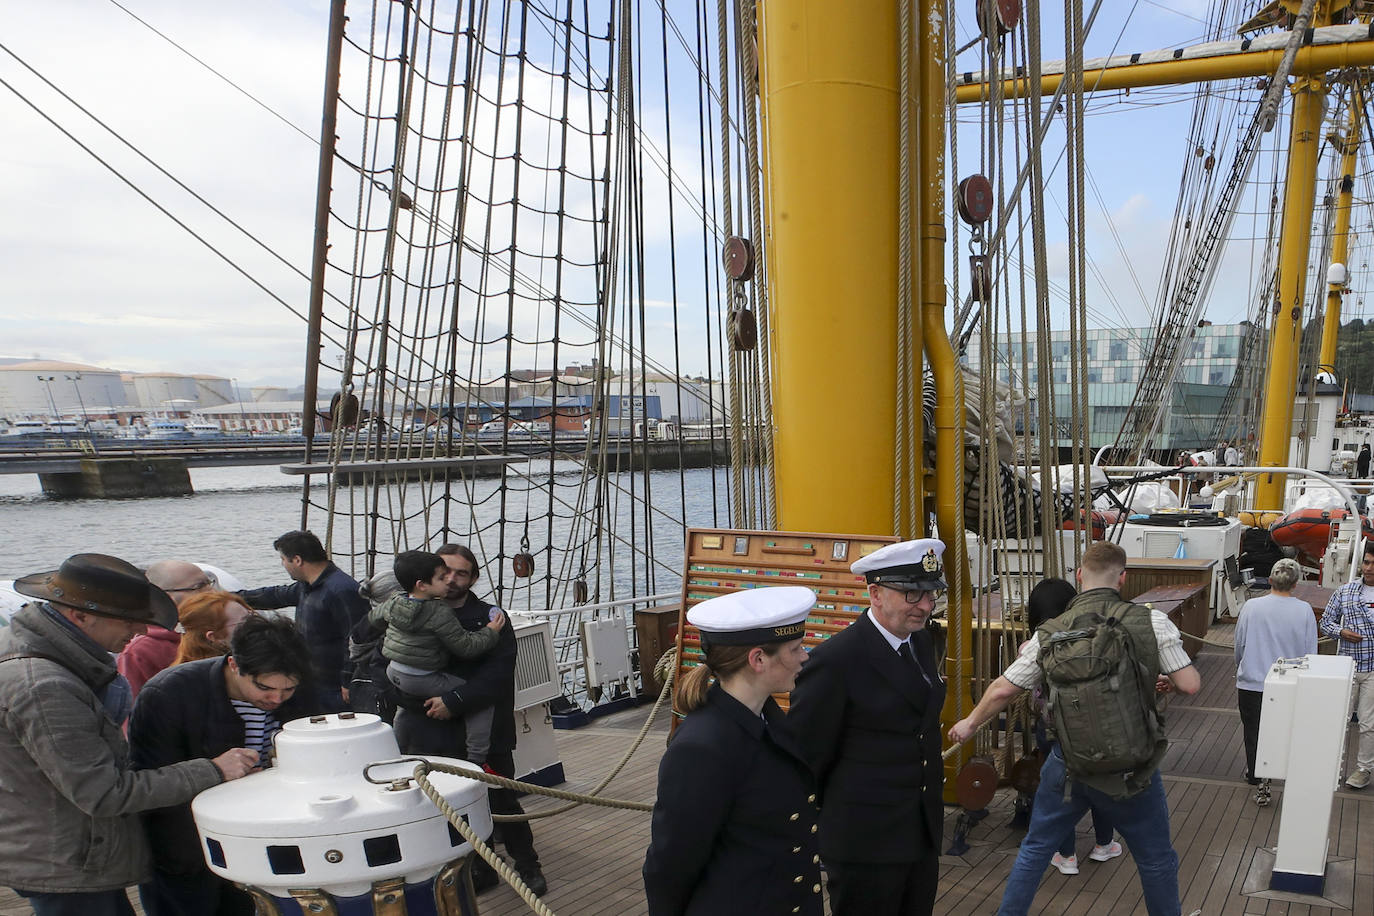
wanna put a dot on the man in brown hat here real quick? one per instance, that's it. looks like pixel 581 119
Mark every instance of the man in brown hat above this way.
pixel 70 841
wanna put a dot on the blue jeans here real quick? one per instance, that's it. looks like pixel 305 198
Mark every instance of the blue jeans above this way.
pixel 97 903
pixel 1102 825
pixel 1142 820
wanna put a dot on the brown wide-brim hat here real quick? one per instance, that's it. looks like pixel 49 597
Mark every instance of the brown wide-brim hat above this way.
pixel 102 585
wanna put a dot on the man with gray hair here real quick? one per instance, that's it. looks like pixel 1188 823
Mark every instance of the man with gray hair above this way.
pixel 1271 627
pixel 148 653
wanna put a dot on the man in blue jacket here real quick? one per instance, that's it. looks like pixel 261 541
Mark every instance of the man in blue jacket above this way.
pixel 327 606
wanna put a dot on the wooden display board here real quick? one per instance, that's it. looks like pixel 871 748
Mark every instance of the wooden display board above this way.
pixel 724 560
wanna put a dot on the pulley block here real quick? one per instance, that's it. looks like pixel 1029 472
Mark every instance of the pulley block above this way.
pixel 980 278
pixel 975 200
pixel 343 410
pixel 744 331
pixel 522 564
pixel 580 591
pixel 739 259
pixel 997 17
pixel 1025 774
pixel 976 784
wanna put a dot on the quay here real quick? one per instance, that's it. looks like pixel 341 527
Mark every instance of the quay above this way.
pixel 130 468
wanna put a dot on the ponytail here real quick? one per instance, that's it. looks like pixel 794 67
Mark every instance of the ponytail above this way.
pixel 720 662
pixel 690 693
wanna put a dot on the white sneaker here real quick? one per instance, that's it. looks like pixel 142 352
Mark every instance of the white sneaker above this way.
pixel 1103 853
pixel 1067 866
pixel 1358 779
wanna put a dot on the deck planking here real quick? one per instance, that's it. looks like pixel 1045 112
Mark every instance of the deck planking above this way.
pixel 592 856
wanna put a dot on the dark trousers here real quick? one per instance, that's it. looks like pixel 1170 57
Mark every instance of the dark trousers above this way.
pixel 1250 703
pixel 97 903
pixel 869 889
pixel 418 734
pixel 516 835
pixel 202 894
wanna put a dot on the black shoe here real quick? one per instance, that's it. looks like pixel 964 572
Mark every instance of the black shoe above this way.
pixel 484 877
pixel 533 878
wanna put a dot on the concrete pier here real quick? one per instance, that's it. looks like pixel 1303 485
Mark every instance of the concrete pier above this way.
pixel 120 478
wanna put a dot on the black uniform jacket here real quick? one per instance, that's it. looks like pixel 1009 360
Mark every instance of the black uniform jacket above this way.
pixel 869 725
pixel 734 827
pixel 183 713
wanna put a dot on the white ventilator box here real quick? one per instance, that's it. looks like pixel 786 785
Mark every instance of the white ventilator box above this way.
pixel 1303 723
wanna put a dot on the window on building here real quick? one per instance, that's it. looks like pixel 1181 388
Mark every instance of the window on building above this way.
pixel 1123 373
pixel 1094 375
pixel 1117 351
pixel 1216 377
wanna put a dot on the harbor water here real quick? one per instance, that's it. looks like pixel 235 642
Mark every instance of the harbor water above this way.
pixel 236 513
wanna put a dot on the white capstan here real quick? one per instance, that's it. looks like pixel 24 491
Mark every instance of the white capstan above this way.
pixel 327 816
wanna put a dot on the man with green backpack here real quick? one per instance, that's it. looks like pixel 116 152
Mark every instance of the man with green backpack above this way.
pixel 1099 664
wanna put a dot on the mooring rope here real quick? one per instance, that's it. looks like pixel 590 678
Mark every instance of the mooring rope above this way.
pixel 664 670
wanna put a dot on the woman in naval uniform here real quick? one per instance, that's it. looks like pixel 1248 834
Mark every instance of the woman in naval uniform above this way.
pixel 734 826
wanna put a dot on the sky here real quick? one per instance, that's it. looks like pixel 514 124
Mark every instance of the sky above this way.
pixel 95 274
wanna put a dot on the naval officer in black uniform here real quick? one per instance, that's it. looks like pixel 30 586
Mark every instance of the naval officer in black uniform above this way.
pixel 866 711
pixel 734 826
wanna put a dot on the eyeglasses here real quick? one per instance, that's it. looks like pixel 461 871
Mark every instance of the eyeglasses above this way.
pixel 914 595
pixel 199 586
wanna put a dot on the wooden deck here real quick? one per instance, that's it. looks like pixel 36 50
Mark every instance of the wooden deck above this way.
pixel 592 856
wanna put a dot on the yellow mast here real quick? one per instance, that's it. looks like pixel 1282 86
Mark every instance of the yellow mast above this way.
pixel 831 88
pixel 1285 325
pixel 829 84
pixel 1340 244
pixel 1309 60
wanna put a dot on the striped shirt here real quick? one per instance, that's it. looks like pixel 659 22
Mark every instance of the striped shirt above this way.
pixel 259 728
pixel 1025 671
pixel 1349 609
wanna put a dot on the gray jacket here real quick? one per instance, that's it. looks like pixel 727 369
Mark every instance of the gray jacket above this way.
pixel 68 797
pixel 425 634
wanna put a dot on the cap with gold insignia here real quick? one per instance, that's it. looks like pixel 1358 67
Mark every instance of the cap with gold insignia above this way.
pixel 910 564
pixel 754 616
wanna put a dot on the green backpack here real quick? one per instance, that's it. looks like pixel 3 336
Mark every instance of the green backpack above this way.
pixel 1099 668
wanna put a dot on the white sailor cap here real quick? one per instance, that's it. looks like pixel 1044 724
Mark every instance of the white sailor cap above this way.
pixel 910 564
pixel 754 616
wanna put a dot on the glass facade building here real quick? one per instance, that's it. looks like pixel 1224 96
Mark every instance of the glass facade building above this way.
pixel 1113 372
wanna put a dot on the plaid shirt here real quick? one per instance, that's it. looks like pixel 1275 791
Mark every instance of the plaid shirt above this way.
pixel 1348 610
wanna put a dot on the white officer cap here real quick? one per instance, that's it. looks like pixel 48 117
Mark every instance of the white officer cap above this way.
pixel 754 616
pixel 910 564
